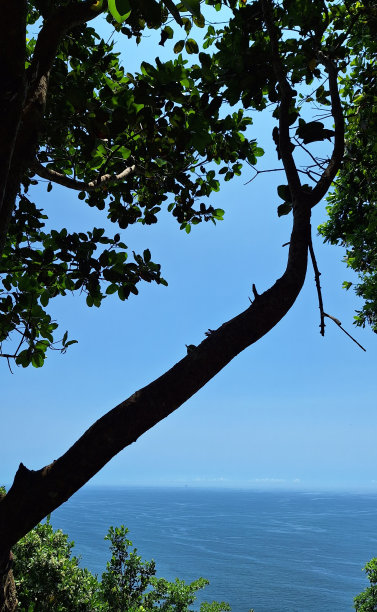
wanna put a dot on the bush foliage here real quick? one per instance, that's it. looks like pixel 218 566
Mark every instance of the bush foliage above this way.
pixel 48 577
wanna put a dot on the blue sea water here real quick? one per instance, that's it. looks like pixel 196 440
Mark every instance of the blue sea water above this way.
pixel 274 552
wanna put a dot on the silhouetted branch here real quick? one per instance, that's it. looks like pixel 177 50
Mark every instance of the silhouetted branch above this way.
pixel 342 328
pixel 71 183
pixel 317 274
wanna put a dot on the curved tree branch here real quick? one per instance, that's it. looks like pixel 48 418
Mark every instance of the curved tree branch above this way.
pixel 286 96
pixel 36 493
pixel 71 183
pixel 333 166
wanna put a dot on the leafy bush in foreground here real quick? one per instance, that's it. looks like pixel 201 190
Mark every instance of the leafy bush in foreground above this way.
pixel 48 577
pixel 367 600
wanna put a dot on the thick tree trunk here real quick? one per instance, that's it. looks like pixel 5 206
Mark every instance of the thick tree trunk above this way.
pixel 34 494
pixel 23 93
pixel 8 597
pixel 12 89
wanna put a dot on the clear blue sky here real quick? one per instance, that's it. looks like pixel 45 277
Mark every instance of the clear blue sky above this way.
pixel 295 410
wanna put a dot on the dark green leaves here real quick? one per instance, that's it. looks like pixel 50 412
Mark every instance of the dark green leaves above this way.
pixel 191 46
pixel 284 209
pixel 284 193
pixel 313 131
pixel 166 33
pixel 179 46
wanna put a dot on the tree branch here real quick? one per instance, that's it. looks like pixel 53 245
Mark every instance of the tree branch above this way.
pixel 343 330
pixel 333 166
pixel 36 493
pixel 71 183
pixel 286 96
pixel 317 274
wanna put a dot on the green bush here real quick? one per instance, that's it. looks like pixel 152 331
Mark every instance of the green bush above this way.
pixel 48 578
pixel 367 600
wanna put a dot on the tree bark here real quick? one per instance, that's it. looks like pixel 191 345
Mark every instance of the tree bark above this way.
pixel 12 83
pixel 8 596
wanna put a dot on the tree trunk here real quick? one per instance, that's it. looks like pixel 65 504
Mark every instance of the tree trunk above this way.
pixel 8 597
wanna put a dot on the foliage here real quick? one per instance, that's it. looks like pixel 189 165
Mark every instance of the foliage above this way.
pixel 367 600
pixel 131 144
pixel 352 204
pixel 128 144
pixel 49 577
pixel 127 576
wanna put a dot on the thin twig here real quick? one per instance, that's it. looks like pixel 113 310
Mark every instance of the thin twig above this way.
pixel 10 369
pixel 317 274
pixel 346 332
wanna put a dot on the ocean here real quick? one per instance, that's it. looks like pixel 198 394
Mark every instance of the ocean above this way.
pixel 270 551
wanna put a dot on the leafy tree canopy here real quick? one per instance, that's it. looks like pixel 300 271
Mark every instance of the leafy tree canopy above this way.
pixel 130 144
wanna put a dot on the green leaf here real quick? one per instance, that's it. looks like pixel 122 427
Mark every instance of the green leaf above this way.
pixel 219 214
pixel 37 360
pixel 120 9
pixel 111 289
pixel 191 46
pixel 45 296
pixel 178 46
pixel 147 255
pixel 166 33
pixel 284 193
pixel 284 209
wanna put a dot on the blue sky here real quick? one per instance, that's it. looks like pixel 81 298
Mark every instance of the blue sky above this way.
pixel 295 410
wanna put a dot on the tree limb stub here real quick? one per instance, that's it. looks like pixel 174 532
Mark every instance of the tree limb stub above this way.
pixel 34 494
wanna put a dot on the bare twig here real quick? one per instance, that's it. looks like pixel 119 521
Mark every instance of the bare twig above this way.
pixel 317 274
pixel 346 332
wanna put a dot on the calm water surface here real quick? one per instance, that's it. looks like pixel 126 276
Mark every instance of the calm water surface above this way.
pixel 274 552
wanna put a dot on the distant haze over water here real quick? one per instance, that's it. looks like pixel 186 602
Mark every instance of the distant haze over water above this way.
pixel 271 551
